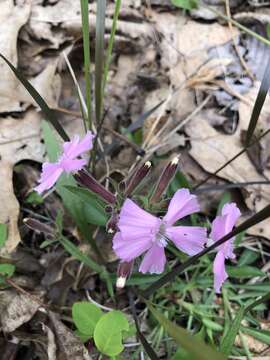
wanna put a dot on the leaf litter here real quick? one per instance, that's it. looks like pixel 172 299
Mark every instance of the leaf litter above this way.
pixel 155 53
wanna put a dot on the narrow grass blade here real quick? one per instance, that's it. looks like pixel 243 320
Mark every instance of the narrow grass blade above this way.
pixel 197 349
pixel 48 112
pixel 147 347
pixel 99 57
pixel 74 251
pixel 111 42
pixel 265 85
pixel 178 269
pixel 229 339
pixel 86 54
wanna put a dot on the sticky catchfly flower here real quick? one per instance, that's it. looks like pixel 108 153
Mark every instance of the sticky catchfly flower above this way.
pixel 221 226
pixel 140 232
pixel 68 161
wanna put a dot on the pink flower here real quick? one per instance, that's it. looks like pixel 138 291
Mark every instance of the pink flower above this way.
pixel 140 232
pixel 221 226
pixel 68 161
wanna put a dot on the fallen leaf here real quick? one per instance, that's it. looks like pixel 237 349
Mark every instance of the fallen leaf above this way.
pixel 18 311
pixel 70 346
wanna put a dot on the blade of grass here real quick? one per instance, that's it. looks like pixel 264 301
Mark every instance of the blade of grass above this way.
pixel 260 99
pixel 229 339
pixel 147 347
pixel 111 42
pixel 99 58
pixel 239 26
pixel 178 269
pixel 48 112
pixel 197 349
pixel 83 106
pixel 86 54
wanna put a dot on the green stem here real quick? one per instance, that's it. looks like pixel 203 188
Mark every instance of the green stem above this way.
pixel 86 52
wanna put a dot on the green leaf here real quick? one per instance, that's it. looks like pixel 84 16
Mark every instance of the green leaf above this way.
pixel 99 57
pixel 226 197
pixel 243 271
pixel 212 325
pixel 86 53
pixel 185 4
pixel 248 257
pixel 229 338
pixel 94 210
pixel 268 30
pixel 261 335
pixel 77 254
pixel 34 198
pixel 108 333
pixel 3 234
pixel 84 338
pixel 49 113
pixel 7 270
pixel 86 316
pixel 52 144
pixel 260 99
pixel 197 349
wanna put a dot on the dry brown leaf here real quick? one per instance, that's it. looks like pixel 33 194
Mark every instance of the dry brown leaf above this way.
pixel 211 149
pixel 19 310
pixel 19 140
pixel 12 18
pixel 70 346
pixel 51 350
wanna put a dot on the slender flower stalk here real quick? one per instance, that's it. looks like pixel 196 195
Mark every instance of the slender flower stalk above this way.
pixel 164 180
pixel 85 179
pixel 140 232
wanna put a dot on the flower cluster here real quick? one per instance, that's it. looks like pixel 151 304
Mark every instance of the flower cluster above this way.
pixel 137 232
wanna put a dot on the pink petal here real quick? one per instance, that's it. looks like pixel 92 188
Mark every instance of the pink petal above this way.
pixel 127 249
pixel 233 214
pixel 50 174
pixel 72 165
pixel 222 225
pixel 75 147
pixel 220 274
pixel 181 205
pixel 135 223
pixel 189 239
pixel 154 260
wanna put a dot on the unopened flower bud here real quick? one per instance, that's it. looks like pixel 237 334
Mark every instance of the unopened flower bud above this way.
pixel 87 180
pixel 38 226
pixel 111 225
pixel 123 272
pixel 165 179
pixel 137 177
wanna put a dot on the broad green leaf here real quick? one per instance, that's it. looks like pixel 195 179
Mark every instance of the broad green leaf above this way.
pixel 197 349
pixel 108 333
pixel 3 234
pixel 229 338
pixel 95 212
pixel 243 271
pixel 185 4
pixel 49 113
pixel 86 316
pixel 7 270
pixel 84 338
